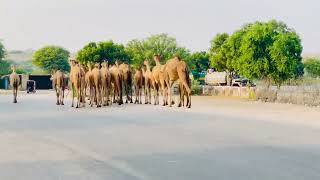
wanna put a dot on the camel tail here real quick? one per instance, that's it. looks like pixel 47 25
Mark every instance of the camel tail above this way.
pixel 15 83
pixel 188 77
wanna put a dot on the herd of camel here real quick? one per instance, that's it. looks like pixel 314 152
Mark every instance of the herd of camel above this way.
pixel 103 84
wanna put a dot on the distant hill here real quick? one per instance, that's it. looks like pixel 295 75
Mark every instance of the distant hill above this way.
pixel 19 56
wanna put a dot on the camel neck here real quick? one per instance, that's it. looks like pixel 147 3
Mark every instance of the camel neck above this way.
pixel 148 67
pixel 158 63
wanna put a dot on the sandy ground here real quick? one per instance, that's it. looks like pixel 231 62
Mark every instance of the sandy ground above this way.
pixel 217 139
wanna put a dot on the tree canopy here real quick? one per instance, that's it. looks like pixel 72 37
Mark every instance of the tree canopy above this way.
pixel 161 44
pixel 51 58
pixel 312 66
pixel 198 61
pixel 218 56
pixel 261 50
pixel 104 50
pixel 2 51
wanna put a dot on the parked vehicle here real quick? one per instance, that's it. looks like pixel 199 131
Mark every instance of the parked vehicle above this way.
pixel 31 86
pixel 215 78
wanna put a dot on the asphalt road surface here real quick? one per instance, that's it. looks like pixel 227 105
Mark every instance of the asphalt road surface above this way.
pixel 217 139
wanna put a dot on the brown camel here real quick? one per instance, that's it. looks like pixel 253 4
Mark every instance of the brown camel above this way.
pixel 127 80
pixel 177 69
pixel 97 84
pixel 14 83
pixel 138 81
pixel 76 79
pixel 105 83
pixel 83 84
pixel 115 74
pixel 148 82
pixel 58 82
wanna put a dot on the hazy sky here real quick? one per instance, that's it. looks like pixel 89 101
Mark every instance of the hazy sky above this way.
pixel 72 23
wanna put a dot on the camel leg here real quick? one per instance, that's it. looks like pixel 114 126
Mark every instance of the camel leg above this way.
pixel 140 95
pixel 107 94
pixel 187 88
pixel 73 91
pixel 14 95
pixel 137 95
pixel 130 89
pixel 62 97
pixel 78 97
pixel 57 94
pixel 181 94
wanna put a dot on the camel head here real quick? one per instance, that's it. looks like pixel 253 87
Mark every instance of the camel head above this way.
pixel 89 65
pixel 146 62
pixel 105 64
pixel 73 62
pixel 156 58
pixel 177 56
pixel 97 65
pixel 13 68
pixel 117 62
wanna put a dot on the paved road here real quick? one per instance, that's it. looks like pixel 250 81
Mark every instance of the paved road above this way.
pixel 216 139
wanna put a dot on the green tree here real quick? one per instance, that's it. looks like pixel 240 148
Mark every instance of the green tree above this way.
pixel 105 50
pixel 4 67
pixel 312 66
pixel 217 52
pixel 52 58
pixel 199 61
pixel 270 51
pixel 2 51
pixel 162 44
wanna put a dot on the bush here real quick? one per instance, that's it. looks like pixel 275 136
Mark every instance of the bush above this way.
pixel 312 66
pixel 195 87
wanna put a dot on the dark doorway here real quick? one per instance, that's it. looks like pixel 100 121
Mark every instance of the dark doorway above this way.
pixel 42 81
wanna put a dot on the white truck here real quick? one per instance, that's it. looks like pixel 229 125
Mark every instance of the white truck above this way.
pixel 214 78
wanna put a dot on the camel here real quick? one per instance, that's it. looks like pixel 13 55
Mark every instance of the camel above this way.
pixel 96 75
pixel 177 69
pixel 159 80
pixel 105 83
pixel 89 83
pixel 127 80
pixel 116 79
pixel 138 81
pixel 83 84
pixel 14 83
pixel 76 80
pixel 58 82
pixel 148 82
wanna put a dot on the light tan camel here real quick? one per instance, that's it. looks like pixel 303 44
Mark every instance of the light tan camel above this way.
pixel 138 82
pixel 158 75
pixel 105 83
pixel 75 78
pixel 97 84
pixel 58 82
pixel 117 85
pixel 89 83
pixel 148 82
pixel 14 83
pixel 127 80
pixel 177 69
